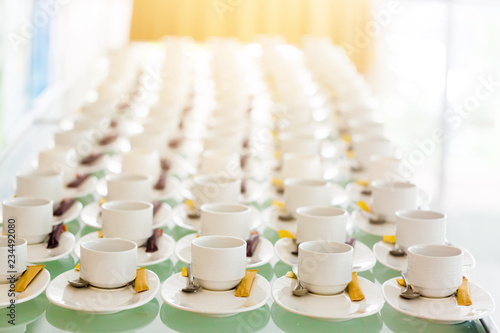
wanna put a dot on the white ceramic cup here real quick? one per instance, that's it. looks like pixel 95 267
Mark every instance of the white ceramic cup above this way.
pixel 367 146
pixel 128 186
pixel 142 161
pixel 301 165
pixel 419 227
pixel 365 127
pixel 389 197
pixel 79 140
pixel 223 142
pixel 19 247
pixel 226 219
pixel 33 218
pixel 211 189
pixel 216 161
pixel 321 223
pixel 218 262
pixel 108 262
pixel 289 143
pixel 325 267
pixel 435 270
pixel 46 184
pixel 156 139
pixel 386 168
pixel 306 192
pixel 60 159
pixel 127 219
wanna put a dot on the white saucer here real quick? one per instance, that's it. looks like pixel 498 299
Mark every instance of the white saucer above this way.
pixel 383 229
pixel 363 258
pixel 72 213
pixel 354 190
pixel 96 300
pixel 262 255
pixel 90 215
pixel 332 308
pixel 180 218
pixel 85 188
pixel 440 310
pixel 166 246
pixel 35 288
pixel 270 217
pixel 39 253
pixel 214 303
pixel 172 188
pixel 381 250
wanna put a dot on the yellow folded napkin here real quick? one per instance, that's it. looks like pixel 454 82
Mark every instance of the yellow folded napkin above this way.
pixel 277 182
pixel 189 203
pixel 350 154
pixel 141 280
pixel 77 267
pixel 346 137
pixel 364 206
pixel 278 204
pixel 277 154
pixel 101 201
pixel 185 272
pixel 364 183
pixel 27 277
pixel 354 290
pixel 463 293
pixel 285 234
pixel 401 282
pixel 291 275
pixel 100 234
pixel 245 286
pixel 391 239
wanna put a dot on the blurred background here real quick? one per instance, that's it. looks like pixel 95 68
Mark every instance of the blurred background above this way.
pixel 433 66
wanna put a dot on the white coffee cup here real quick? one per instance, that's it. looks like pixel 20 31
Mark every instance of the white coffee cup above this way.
pixel 368 146
pixel 365 127
pixel 306 192
pixel 223 142
pixel 156 139
pixel 79 140
pixel 389 197
pixel 289 143
pixel 301 165
pixel 321 223
pixel 226 219
pixel 60 159
pixel 127 219
pixel 325 267
pixel 46 184
pixel 128 186
pixel 211 189
pixel 142 161
pixel 435 270
pixel 419 227
pixel 33 218
pixel 217 161
pixel 386 168
pixel 12 246
pixel 108 262
pixel 218 262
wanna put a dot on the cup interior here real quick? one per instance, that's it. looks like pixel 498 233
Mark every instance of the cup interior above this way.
pixel 39 174
pixel 298 182
pixel 4 241
pixel 109 245
pixel 224 208
pixel 321 211
pixel 126 205
pixel 434 251
pixel 206 180
pixel 127 178
pixel 218 242
pixel 27 202
pixel 420 215
pixel 385 185
pixel 325 247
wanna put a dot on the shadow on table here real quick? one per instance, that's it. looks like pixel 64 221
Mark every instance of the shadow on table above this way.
pixel 291 322
pixel 60 266
pixel 124 321
pixel 184 321
pixel 399 322
pixel 25 313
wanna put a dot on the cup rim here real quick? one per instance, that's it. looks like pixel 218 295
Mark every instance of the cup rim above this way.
pixel 306 182
pixel 303 211
pixel 344 248
pixel 126 203
pixel 141 151
pixel 413 248
pixel 210 179
pixel 428 215
pixel 300 156
pixel 58 148
pixel 17 202
pixel 131 245
pixel 5 237
pixel 127 177
pixel 38 173
pixel 391 185
pixel 210 208
pixel 197 240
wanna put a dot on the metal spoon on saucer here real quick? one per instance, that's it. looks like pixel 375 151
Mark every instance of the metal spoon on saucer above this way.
pixel 408 293
pixel 191 287
pixel 299 289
